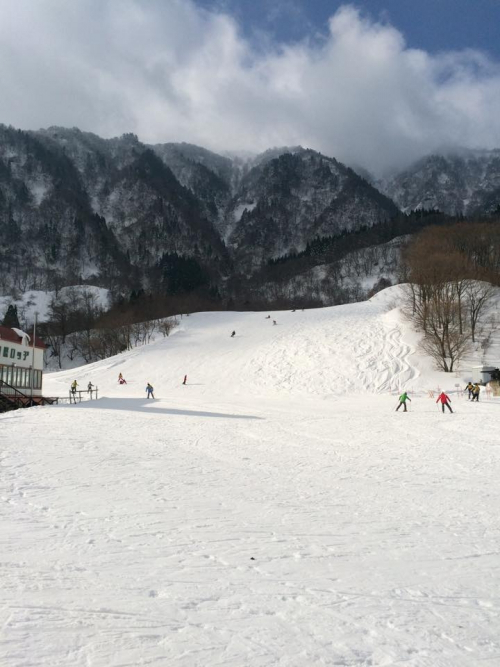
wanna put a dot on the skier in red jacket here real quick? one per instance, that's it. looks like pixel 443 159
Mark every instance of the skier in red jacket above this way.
pixel 444 401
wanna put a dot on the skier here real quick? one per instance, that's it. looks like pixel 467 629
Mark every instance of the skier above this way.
pixel 90 386
pixel 233 334
pixel 475 392
pixel 274 322
pixel 268 317
pixel 121 379
pixel 469 387
pixel 402 401
pixel 74 385
pixel 149 391
pixel 185 379
pixel 445 400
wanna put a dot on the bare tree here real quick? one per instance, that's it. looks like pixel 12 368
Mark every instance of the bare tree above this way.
pixel 479 296
pixel 166 326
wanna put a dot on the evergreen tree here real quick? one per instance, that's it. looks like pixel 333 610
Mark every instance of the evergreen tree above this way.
pixel 11 319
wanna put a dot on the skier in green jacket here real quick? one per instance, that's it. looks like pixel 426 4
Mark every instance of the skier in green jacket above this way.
pixel 402 401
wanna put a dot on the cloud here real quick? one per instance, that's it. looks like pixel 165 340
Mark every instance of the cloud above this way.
pixel 176 72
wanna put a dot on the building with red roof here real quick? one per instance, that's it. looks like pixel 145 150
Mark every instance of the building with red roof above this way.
pixel 21 362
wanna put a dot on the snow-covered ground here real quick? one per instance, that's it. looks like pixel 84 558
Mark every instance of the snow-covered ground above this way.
pixel 276 510
pixel 37 301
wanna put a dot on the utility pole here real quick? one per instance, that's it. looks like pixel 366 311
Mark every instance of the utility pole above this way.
pixel 33 356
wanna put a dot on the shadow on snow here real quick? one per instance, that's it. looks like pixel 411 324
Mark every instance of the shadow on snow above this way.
pixel 140 405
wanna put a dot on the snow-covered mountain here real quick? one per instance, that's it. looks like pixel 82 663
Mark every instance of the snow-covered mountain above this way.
pixel 76 208
pixel 286 201
pixel 460 182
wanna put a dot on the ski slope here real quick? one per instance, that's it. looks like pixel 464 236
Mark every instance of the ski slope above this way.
pixel 276 510
pixel 356 348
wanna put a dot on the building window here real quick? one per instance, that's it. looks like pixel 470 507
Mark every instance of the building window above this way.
pixel 12 354
pixel 38 380
pixel 19 355
pixel 5 351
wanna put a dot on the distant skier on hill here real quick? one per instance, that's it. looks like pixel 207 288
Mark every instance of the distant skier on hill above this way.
pixel 233 334
pixel 445 400
pixel 149 391
pixel 185 379
pixel 121 379
pixel 402 401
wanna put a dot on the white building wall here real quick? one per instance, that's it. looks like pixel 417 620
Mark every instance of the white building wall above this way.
pixel 16 360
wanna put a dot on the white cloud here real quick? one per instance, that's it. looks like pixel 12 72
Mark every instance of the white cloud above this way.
pixel 174 72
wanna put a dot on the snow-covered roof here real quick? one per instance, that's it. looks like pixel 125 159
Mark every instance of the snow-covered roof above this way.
pixel 21 334
pixel 17 336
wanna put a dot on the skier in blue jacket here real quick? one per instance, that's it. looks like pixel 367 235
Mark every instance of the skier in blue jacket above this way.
pixel 149 391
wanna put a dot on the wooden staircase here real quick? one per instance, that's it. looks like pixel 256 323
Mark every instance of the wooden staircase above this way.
pixel 13 399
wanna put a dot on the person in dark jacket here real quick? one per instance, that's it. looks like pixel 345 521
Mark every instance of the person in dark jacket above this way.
pixel 469 387
pixel 149 391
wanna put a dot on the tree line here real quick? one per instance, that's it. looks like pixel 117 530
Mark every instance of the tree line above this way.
pixel 453 275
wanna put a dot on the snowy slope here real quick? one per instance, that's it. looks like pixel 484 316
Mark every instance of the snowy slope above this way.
pixel 354 348
pixel 273 511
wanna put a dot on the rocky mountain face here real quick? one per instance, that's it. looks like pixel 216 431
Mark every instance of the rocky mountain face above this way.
pixel 118 213
pixel 75 207
pixel 461 183
pixel 284 202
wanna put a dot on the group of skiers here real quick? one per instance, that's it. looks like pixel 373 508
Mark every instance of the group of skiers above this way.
pixel 443 398
pixel 149 387
pixel 233 333
pixel 473 390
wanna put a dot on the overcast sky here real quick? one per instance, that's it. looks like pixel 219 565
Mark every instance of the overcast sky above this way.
pixel 376 84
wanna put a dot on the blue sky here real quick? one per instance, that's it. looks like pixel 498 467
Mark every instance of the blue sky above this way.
pixel 432 25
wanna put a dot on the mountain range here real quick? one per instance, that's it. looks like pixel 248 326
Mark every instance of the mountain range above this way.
pixel 122 214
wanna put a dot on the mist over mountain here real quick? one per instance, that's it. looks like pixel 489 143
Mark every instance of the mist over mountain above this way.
pixel 460 182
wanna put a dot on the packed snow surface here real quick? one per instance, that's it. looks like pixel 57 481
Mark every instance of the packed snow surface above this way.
pixel 275 510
